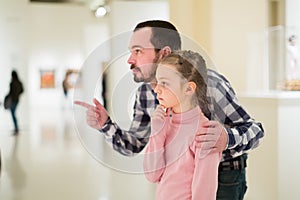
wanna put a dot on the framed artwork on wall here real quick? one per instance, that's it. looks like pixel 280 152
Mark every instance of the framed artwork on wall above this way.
pixel 47 79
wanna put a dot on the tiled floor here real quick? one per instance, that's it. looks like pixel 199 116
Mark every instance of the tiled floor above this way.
pixel 48 160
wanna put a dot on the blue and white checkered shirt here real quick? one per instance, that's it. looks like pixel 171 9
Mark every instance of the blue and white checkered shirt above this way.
pixel 243 132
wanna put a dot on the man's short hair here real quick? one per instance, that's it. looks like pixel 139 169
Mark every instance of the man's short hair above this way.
pixel 163 34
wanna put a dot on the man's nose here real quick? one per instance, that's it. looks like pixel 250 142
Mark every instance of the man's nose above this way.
pixel 131 60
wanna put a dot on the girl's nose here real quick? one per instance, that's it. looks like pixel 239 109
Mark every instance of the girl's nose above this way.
pixel 157 89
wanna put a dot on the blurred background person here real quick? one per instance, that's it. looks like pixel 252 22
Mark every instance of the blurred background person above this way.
pixel 66 85
pixel 15 90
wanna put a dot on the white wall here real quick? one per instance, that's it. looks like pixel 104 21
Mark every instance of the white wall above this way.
pixel 292 17
pixel 46 36
pixel 12 42
pixel 232 23
pixel 13 53
pixel 58 39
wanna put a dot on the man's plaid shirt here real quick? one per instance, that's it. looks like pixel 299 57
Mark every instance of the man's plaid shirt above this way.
pixel 244 133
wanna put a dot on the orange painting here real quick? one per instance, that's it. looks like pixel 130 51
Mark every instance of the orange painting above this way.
pixel 47 78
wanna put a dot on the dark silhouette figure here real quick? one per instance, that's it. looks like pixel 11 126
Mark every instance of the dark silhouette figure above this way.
pixel 104 89
pixel 15 90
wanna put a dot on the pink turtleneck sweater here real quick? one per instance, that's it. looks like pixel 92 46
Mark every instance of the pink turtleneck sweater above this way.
pixel 173 161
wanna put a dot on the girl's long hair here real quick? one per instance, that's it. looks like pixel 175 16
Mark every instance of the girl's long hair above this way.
pixel 192 67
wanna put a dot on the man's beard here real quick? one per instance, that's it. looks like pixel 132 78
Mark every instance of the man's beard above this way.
pixel 143 78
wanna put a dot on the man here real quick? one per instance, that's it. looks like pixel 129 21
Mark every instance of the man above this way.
pixel 151 42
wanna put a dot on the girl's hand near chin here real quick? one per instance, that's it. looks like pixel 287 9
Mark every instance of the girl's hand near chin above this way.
pixel 158 118
pixel 159 113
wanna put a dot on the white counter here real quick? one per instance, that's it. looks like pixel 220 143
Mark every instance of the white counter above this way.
pixel 273 168
pixel 272 94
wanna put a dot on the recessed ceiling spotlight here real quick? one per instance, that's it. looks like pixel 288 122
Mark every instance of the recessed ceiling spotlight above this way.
pixel 100 12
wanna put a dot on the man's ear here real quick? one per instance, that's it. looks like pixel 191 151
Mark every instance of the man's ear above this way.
pixel 190 88
pixel 165 51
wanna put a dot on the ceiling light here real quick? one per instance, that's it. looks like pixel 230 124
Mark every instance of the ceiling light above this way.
pixel 100 12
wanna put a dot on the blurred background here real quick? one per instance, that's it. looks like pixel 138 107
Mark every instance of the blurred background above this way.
pixel 53 157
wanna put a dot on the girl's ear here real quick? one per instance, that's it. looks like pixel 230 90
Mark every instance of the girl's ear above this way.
pixel 190 88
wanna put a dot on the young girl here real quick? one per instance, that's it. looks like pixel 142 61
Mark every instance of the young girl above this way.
pixel 172 159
